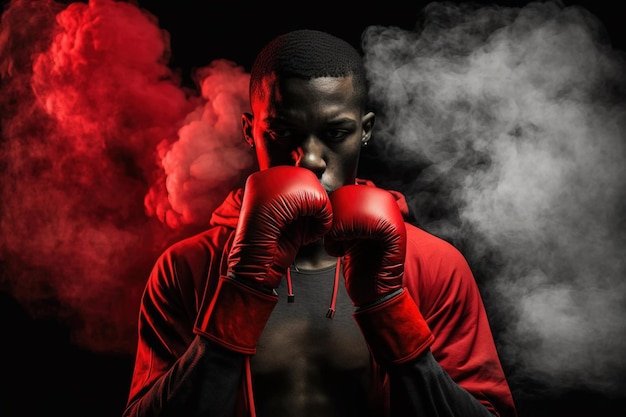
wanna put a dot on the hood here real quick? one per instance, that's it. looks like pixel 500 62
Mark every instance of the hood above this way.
pixel 227 213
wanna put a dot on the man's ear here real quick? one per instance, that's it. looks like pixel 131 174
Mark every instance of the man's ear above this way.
pixel 367 125
pixel 246 127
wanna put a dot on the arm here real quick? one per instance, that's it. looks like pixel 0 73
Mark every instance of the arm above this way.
pixel 441 282
pixel 204 381
pixel 175 371
pixel 197 369
pixel 421 387
pixel 369 232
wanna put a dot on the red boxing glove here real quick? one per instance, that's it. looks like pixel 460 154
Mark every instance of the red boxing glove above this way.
pixel 369 232
pixel 283 208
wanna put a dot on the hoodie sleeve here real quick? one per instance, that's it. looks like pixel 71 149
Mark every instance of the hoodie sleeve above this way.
pixel 442 284
pixel 461 374
pixel 174 369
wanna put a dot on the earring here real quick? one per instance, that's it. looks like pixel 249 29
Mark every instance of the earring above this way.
pixel 251 145
pixel 365 144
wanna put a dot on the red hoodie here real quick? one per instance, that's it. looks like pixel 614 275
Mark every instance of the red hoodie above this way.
pixel 436 275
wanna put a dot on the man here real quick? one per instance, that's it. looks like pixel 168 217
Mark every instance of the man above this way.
pixel 387 319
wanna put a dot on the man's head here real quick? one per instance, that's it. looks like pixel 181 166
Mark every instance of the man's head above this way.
pixel 308 97
pixel 308 54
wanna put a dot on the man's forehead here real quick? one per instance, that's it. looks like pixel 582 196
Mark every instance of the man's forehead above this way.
pixel 274 87
pixel 275 80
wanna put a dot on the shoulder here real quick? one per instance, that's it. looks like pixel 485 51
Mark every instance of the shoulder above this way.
pixel 185 265
pixel 427 247
pixel 199 246
pixel 436 271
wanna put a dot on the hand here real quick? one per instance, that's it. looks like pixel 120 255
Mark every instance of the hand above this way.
pixel 283 208
pixel 369 232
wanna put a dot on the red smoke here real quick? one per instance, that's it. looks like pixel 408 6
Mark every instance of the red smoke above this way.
pixel 208 158
pixel 99 140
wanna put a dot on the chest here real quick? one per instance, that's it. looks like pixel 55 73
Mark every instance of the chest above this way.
pixel 307 358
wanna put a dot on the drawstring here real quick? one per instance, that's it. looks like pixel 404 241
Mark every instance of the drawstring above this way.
pixel 333 301
pixel 249 388
pixel 290 296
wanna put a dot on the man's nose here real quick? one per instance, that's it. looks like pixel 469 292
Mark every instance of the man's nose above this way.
pixel 310 155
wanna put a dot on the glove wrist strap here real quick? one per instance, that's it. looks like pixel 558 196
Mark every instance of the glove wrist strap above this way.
pixel 235 316
pixel 395 330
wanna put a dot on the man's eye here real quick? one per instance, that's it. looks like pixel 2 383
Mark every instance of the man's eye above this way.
pixel 280 134
pixel 336 135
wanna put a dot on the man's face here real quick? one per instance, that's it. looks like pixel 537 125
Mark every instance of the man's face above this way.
pixel 315 124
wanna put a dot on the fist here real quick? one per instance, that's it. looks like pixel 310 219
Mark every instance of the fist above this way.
pixel 283 208
pixel 369 232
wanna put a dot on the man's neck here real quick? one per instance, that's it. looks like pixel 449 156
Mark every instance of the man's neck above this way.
pixel 313 256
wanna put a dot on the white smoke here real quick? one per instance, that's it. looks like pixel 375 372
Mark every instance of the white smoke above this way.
pixel 509 124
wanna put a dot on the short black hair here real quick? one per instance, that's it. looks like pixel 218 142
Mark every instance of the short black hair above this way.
pixel 308 54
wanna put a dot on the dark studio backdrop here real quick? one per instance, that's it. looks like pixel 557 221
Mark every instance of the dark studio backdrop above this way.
pixel 503 123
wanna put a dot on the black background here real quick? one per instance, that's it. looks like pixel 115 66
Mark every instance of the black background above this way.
pixel 241 29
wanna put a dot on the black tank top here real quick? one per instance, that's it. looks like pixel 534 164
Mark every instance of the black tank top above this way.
pixel 306 363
